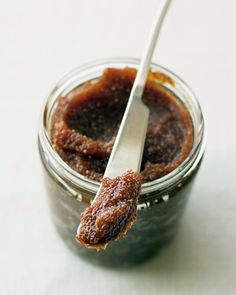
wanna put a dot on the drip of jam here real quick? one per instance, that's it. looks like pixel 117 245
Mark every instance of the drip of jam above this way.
pixel 112 213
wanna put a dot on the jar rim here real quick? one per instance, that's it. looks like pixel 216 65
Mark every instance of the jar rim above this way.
pixel 69 82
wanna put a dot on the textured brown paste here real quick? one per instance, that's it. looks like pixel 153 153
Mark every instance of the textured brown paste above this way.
pixel 112 213
pixel 85 123
pixel 83 130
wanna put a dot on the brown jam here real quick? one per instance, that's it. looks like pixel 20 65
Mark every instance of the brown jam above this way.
pixel 85 123
pixel 112 213
pixel 83 131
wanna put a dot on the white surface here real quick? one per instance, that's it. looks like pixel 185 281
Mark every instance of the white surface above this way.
pixel 40 42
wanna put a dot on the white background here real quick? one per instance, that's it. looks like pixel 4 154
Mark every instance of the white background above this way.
pixel 40 41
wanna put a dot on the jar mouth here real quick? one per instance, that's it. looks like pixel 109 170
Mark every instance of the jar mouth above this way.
pixel 93 70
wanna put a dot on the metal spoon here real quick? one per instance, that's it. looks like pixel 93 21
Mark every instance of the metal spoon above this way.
pixel 127 151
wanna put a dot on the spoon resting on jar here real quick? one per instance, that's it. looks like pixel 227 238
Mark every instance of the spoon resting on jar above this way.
pixel 114 208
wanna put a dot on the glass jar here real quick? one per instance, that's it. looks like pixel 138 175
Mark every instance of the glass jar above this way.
pixel 161 202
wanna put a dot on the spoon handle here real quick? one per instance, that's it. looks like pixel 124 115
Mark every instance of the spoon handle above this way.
pixel 148 53
pixel 128 147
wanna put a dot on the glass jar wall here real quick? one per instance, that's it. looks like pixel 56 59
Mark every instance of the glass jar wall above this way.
pixel 161 202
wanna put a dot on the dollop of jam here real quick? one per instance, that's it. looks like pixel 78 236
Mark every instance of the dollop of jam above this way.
pixel 112 213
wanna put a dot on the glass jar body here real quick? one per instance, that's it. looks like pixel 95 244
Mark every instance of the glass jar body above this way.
pixel 161 204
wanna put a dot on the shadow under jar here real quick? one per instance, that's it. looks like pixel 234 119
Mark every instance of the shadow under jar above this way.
pixel 161 201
